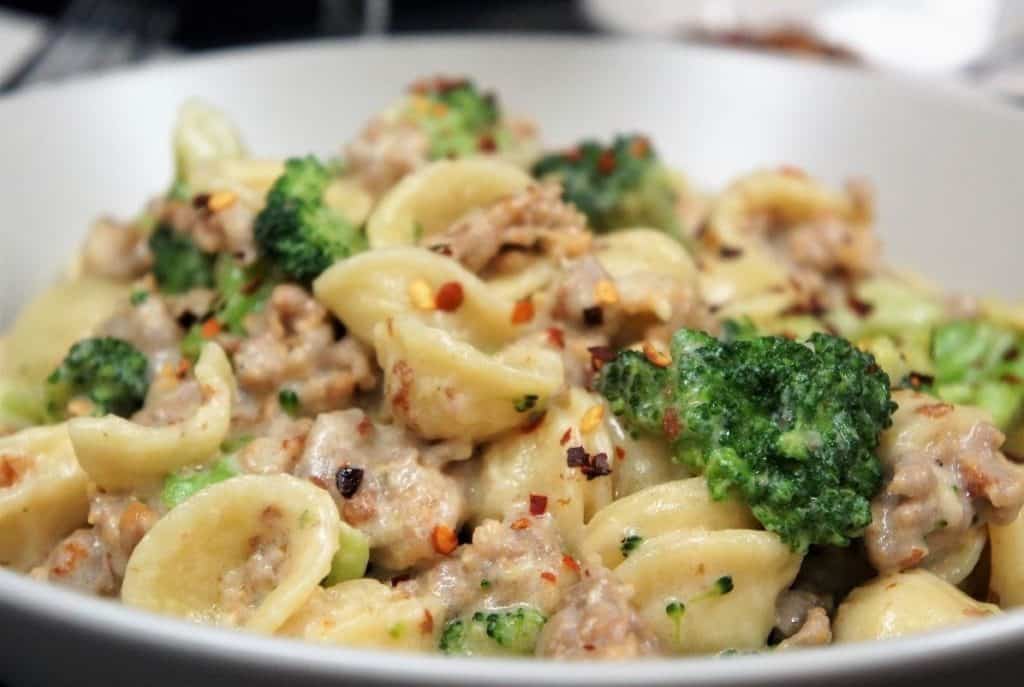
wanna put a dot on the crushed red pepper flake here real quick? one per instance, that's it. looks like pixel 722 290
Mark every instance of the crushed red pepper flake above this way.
pixel 449 296
pixel 538 504
pixel 918 379
pixel 730 252
pixel 427 624
pixel 348 480
pixel 532 422
pixel 566 435
pixel 487 144
pixel 639 147
pixel 606 162
pixel 599 355
pixel 620 453
pixel 556 337
pixel 670 423
pixel 549 576
pixel 210 328
pixel 520 524
pixel 523 311
pixel 655 355
pixel 860 308
pixel 573 154
pixel 571 563
pixel 592 466
pixel 593 316
pixel 444 539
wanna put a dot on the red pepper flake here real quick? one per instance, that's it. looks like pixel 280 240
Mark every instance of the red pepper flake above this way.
pixel 1011 378
pixel 639 147
pixel 200 200
pixel 599 355
pixel 916 380
pixel 532 422
pixel 571 563
pixel 593 316
pixel 860 308
pixel 592 466
pixel 520 524
pixel 183 367
pixel 442 249
pixel 427 624
pixel 523 311
pixel 588 647
pixel 449 296
pixel 444 539
pixel 538 504
pixel 566 436
pixel 573 154
pixel 549 576
pixel 556 337
pixel 210 328
pixel 934 410
pixel 813 307
pixel 606 162
pixel 620 453
pixel 365 426
pixel 348 481
pixel 487 144
pixel 655 355
pixel 670 423
pixel 399 579
pixel 729 252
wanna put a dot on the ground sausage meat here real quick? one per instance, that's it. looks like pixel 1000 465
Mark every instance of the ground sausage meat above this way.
pixel 398 501
pixel 816 630
pixel 596 621
pixel 83 562
pixel 115 250
pixel 944 474
pixel 293 343
pixel 385 151
pixel 517 561
pixel 534 218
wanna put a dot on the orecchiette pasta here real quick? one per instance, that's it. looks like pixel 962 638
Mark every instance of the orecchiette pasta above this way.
pixel 903 604
pixel 429 200
pixel 387 282
pixel 657 510
pixel 117 453
pixel 1008 563
pixel 42 494
pixel 685 567
pixel 55 320
pixel 447 389
pixel 247 178
pixel 534 462
pixel 368 613
pixel 247 552
pixel 647 251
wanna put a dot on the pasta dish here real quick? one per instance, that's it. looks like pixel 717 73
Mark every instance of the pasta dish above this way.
pixel 453 391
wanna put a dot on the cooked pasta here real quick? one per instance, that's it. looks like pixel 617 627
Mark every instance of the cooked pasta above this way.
pixel 448 394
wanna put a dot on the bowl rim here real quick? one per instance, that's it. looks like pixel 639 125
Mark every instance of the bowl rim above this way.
pixel 128 625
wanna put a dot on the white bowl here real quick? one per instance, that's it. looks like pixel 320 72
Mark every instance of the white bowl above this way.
pixel 946 164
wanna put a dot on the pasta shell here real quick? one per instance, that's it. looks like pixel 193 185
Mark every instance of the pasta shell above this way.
pixel 520 464
pixel 247 552
pixel 1007 580
pixel 443 388
pixel 432 198
pixel 684 566
pixel 119 454
pixel 903 604
pixel 367 613
pixel 42 494
pixel 370 288
pixel 680 505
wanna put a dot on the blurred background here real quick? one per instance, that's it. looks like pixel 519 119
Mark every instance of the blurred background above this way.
pixel 977 41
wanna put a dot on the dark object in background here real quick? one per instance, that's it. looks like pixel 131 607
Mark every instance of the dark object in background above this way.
pixel 792 40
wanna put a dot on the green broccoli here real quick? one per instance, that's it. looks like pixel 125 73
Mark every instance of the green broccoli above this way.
pixel 296 230
pixel 110 372
pixel 980 364
pixel 511 631
pixel 791 427
pixel 351 558
pixel 241 291
pixel 457 118
pixel 180 486
pixel 622 185
pixel 178 264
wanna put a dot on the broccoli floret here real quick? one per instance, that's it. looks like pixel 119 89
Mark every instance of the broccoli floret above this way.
pixel 296 230
pixel 511 631
pixel 178 264
pixel 981 364
pixel 790 427
pixel 457 118
pixel 618 186
pixel 351 558
pixel 180 486
pixel 110 372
